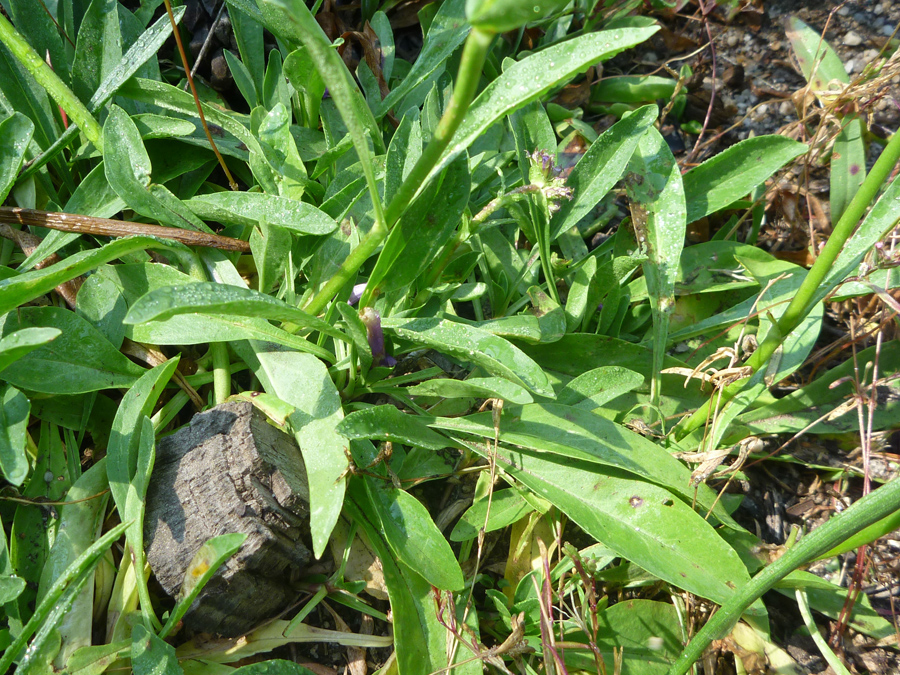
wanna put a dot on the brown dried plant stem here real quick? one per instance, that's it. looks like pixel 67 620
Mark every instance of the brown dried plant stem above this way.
pixel 71 222
pixel 187 71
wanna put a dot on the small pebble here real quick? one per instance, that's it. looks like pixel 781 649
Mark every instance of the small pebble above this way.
pixel 775 46
pixel 651 57
pixel 887 29
pixel 762 110
pixel 732 40
pixel 851 66
pixel 844 11
pixel 852 39
pixel 785 108
pixel 878 9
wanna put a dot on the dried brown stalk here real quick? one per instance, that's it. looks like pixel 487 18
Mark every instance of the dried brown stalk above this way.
pixel 70 222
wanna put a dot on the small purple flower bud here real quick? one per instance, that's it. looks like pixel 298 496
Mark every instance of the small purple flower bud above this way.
pixel 356 294
pixel 375 335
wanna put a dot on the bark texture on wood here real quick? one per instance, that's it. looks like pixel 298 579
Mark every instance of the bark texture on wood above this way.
pixel 229 471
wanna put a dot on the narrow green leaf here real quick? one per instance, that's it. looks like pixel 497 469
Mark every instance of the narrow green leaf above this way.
pixel 151 655
pixel 643 523
pixel 302 381
pixel 507 507
pixel 734 173
pixel 54 605
pixel 128 171
pixel 273 667
pixel 581 435
pixel 534 76
pixel 123 449
pixel 78 361
pixel 80 524
pixel 881 218
pixel 818 62
pixel 242 78
pixel 270 246
pixel 144 48
pixel 492 353
pixel 423 229
pixel 16 345
pixel 205 563
pixel 248 33
pixel 96 659
pixel 387 423
pixel 302 74
pixel 135 507
pixel 249 208
pixel 597 387
pixel 23 288
pixel 474 387
pixel 98 47
pixel 600 168
pixel 447 32
pixel 213 298
pixel 658 212
pixel 15 135
pixel 848 165
pixel 413 537
pixel 14 411
pixel 419 639
pixel 280 150
pixel 403 152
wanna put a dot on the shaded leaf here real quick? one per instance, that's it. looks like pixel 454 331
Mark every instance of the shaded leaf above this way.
pixel 736 172
pixel 14 411
pixel 78 361
pixel 492 353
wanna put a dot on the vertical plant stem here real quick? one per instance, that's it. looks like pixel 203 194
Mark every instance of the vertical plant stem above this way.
pixel 870 509
pixel 221 371
pixel 473 56
pixel 470 66
pixel 348 269
pixel 803 301
pixel 50 81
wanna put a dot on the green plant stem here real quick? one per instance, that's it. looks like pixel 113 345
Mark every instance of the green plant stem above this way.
pixel 221 371
pixel 50 81
pixel 871 508
pixel 474 53
pixel 348 269
pixel 473 56
pixel 805 298
pixel 821 643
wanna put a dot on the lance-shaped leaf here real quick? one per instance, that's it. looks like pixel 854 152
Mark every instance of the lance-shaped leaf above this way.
pixel 658 214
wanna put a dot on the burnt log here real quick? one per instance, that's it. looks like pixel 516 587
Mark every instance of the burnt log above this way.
pixel 229 471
